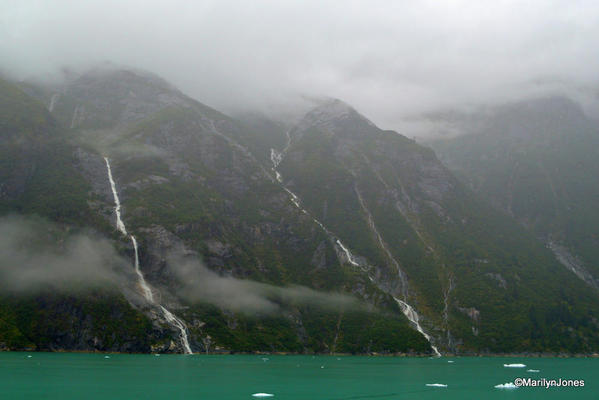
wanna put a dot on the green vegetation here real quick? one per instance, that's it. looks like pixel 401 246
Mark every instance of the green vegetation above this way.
pixel 440 232
pixel 186 175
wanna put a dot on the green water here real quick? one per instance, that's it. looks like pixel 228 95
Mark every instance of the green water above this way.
pixel 92 376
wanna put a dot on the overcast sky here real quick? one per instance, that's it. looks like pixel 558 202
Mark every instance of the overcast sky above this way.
pixel 390 59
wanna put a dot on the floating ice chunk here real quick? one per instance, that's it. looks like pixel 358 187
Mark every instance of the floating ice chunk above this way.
pixel 322 366
pixel 507 385
pixel 436 385
pixel 450 361
pixel 532 370
pixel 29 356
pixel 106 356
pixel 263 395
pixel 514 365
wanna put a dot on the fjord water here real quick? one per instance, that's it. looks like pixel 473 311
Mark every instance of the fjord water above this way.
pixel 121 376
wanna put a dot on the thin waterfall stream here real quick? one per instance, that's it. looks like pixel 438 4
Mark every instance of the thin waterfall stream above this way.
pixel 146 291
pixel 276 158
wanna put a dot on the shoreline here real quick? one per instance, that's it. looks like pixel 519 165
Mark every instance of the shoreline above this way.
pixel 260 353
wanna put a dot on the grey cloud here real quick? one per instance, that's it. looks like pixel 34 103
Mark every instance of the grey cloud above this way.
pixel 37 254
pixel 199 284
pixel 40 255
pixel 389 59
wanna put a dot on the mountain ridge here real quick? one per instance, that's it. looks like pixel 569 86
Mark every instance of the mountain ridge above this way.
pixel 196 182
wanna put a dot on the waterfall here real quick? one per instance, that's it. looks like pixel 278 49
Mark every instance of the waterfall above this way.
pixel 413 317
pixel 76 116
pixel 53 102
pixel 117 209
pixel 347 253
pixel 276 158
pixel 146 291
pixel 171 319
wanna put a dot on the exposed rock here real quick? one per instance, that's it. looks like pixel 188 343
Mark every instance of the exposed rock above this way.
pixel 471 312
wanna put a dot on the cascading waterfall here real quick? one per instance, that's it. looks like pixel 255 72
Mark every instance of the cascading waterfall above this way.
pixel 407 309
pixel 413 317
pixel 145 288
pixel 53 102
pixel 173 320
pixel 117 203
pixel 276 158
pixel 348 254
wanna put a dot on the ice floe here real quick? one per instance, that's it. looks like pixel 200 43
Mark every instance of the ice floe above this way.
pixel 263 395
pixel 436 385
pixel 532 370
pixel 507 385
pixel 514 365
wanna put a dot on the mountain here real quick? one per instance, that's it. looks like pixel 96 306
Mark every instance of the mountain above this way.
pixel 327 235
pixel 537 161
pixel 206 214
pixel 39 177
pixel 425 237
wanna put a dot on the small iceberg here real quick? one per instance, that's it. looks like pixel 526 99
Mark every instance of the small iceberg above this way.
pixel 514 365
pixel 450 361
pixel 106 356
pixel 507 385
pixel 436 385
pixel 29 356
pixel 532 370
pixel 263 395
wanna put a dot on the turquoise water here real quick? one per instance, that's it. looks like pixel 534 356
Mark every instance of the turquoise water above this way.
pixel 92 376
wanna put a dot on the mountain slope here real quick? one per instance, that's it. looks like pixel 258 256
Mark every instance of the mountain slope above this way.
pixel 538 161
pixel 353 239
pixel 193 194
pixel 38 177
pixel 424 237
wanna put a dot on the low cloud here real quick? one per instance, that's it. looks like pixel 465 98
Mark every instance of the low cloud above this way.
pixel 199 284
pixel 37 254
pixel 391 60
pixel 41 255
